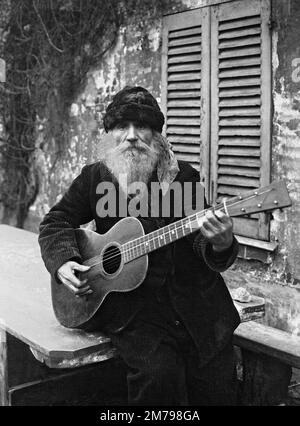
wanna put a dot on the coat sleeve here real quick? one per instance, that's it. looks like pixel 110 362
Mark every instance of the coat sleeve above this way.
pixel 57 237
pixel 217 261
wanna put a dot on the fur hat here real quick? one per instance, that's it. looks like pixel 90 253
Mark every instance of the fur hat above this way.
pixel 134 104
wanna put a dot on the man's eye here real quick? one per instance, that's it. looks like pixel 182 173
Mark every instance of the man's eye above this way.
pixel 121 126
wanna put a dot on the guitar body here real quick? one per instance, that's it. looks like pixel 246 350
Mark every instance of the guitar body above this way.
pixel 108 273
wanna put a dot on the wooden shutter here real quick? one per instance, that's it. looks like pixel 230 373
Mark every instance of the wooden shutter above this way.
pixel 241 105
pixel 185 83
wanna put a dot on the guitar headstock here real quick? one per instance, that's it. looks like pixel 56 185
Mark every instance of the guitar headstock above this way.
pixel 268 198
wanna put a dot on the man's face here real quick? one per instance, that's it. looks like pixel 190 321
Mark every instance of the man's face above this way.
pixel 132 136
pixel 135 153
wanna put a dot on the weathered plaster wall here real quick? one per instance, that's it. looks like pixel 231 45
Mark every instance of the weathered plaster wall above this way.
pixel 286 126
pixel 135 59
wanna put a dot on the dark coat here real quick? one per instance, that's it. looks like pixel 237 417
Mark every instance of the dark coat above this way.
pixel 188 269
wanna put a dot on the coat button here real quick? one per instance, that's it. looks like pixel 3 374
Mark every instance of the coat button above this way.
pixel 177 323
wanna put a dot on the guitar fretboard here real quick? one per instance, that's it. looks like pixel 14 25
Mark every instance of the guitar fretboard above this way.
pixel 267 198
pixel 183 227
pixel 161 237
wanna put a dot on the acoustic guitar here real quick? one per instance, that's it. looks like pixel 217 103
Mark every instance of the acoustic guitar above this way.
pixel 119 260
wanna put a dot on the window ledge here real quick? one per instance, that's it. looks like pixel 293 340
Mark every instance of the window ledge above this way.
pixel 263 245
pixel 251 249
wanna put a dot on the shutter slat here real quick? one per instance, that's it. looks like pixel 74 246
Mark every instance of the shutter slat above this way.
pixel 239 161
pixel 184 67
pixel 240 122
pixel 240 171
pixel 184 76
pixel 176 130
pixel 245 41
pixel 232 190
pixel 183 50
pixel 184 86
pixel 184 58
pixel 236 63
pixel 235 53
pixel 185 32
pixel 231 93
pixel 241 112
pixel 173 139
pixel 186 148
pixel 183 41
pixel 239 33
pixel 251 101
pixel 238 82
pixel 242 72
pixel 183 121
pixel 239 181
pixel 239 23
pixel 191 158
pixel 235 131
pixel 240 152
pixel 183 112
pixel 239 141
pixel 186 94
pixel 184 104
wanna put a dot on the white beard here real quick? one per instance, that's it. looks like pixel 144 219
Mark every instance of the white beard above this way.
pixel 135 164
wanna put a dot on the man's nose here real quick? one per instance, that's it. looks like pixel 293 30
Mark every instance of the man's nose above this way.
pixel 132 133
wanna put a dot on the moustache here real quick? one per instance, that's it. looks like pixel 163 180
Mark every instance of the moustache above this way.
pixel 128 146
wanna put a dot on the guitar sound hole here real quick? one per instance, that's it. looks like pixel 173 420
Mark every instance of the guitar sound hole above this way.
pixel 111 259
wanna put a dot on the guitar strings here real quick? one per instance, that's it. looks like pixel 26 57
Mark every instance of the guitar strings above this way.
pixel 199 215
pixel 112 259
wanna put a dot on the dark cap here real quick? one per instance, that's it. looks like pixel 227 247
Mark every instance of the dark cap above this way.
pixel 134 104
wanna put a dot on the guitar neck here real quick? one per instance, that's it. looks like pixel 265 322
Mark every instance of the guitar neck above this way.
pixel 267 198
pixel 163 236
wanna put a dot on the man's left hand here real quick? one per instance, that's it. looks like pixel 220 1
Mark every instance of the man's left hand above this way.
pixel 217 229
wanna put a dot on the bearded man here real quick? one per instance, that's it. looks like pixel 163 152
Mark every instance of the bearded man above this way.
pixel 174 331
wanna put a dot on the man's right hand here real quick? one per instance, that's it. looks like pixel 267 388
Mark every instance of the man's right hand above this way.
pixel 66 274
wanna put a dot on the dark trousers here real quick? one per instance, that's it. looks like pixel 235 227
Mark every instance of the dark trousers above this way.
pixel 163 365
